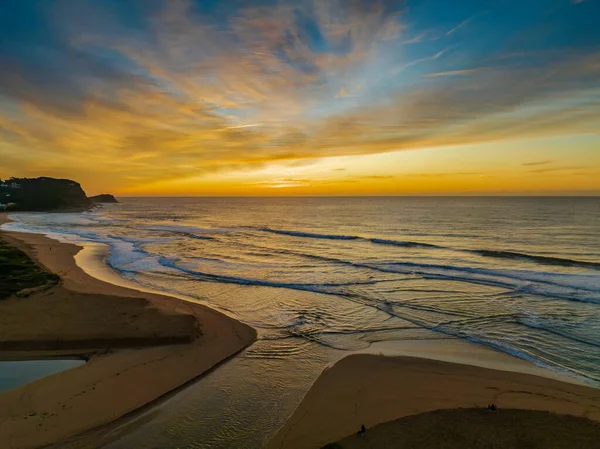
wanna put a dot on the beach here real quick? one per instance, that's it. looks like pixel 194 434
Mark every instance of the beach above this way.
pixel 139 347
pixel 316 292
pixel 367 389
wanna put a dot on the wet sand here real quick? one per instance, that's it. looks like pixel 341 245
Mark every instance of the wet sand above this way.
pixel 140 347
pixel 372 389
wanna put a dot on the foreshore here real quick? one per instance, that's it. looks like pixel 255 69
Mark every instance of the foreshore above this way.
pixel 372 389
pixel 139 346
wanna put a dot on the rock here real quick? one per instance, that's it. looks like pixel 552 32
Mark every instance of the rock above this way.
pixel 103 198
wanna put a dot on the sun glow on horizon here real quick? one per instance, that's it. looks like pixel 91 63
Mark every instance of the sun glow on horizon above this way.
pixel 521 170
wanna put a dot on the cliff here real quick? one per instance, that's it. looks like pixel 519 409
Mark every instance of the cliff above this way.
pixel 103 198
pixel 42 194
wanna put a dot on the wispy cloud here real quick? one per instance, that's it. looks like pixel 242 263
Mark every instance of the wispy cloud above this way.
pixel 343 93
pixel 284 183
pixel 406 65
pixel 378 177
pixel 425 36
pixel 444 175
pixel 177 93
pixel 555 169
pixel 465 22
pixel 453 73
pixel 536 163
pixel 459 26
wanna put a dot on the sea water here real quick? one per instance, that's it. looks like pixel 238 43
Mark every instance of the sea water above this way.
pixel 322 276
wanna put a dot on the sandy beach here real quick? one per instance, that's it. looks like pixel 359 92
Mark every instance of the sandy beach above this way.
pixel 371 389
pixel 140 347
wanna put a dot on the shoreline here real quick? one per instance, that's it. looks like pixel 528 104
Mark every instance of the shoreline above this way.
pixel 443 353
pixel 374 389
pixel 125 372
pixel 90 259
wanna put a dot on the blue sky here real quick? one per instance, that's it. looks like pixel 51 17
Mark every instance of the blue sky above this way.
pixel 134 93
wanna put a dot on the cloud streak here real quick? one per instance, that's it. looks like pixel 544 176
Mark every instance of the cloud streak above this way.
pixel 536 163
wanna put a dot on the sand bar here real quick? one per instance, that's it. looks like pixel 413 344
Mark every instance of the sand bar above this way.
pixel 141 346
pixel 371 389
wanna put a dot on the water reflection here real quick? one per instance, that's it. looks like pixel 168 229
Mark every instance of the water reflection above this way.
pixel 16 373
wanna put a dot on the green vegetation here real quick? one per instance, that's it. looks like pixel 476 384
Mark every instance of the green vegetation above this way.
pixel 19 272
pixel 42 194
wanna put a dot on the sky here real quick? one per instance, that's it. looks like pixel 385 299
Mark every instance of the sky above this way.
pixel 315 97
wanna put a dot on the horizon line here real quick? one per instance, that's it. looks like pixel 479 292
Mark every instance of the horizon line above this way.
pixel 592 195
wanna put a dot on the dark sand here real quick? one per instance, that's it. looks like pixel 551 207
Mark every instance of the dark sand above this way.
pixel 478 429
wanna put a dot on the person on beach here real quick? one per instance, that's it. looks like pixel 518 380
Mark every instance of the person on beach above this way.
pixel 362 431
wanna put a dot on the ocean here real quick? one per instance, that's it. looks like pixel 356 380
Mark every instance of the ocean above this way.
pixel 319 277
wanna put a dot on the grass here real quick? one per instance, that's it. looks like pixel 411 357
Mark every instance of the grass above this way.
pixel 19 272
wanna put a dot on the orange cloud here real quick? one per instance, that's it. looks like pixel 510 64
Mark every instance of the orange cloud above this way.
pixel 192 97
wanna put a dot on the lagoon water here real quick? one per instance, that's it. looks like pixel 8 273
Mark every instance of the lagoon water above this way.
pixel 13 374
pixel 319 277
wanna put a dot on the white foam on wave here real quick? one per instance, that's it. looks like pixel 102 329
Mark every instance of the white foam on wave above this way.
pixel 126 254
pixel 126 257
pixel 53 219
pixel 95 254
pixel 579 287
pixel 586 281
pixel 62 235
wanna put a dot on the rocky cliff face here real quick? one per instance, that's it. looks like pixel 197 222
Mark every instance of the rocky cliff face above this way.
pixel 42 194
